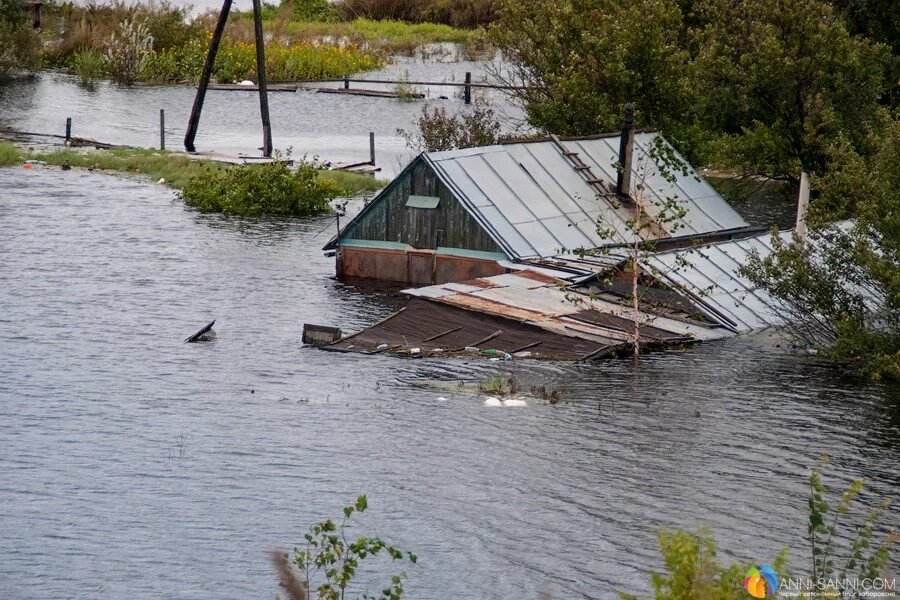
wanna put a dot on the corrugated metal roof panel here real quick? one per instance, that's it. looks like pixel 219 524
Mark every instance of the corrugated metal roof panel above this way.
pixel 536 204
pixel 711 273
pixel 522 296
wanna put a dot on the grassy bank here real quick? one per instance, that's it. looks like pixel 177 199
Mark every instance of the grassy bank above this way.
pixel 380 36
pixel 213 186
pixel 160 42
pixel 236 61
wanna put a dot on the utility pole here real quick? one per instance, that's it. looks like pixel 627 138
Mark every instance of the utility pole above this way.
pixel 194 120
pixel 261 76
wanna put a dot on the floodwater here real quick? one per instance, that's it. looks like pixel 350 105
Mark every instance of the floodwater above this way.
pixel 331 127
pixel 133 465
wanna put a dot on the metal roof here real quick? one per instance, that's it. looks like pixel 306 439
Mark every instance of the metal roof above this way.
pixel 711 273
pixel 537 299
pixel 535 204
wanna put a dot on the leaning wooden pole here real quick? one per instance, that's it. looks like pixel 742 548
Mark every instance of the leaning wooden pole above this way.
pixel 194 121
pixel 261 75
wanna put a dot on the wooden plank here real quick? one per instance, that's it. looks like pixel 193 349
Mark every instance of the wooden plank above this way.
pixel 487 339
pixel 434 337
pixel 525 347
pixel 601 352
pixel 363 92
pixel 236 87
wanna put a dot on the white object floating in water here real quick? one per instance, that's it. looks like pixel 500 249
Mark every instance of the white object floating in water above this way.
pixel 161 181
pixel 509 402
pixel 246 82
pixel 441 399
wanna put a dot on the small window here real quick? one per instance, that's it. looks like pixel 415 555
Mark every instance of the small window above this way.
pixel 422 201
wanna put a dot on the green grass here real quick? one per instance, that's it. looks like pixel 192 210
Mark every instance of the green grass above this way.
pixel 392 36
pixel 9 154
pixel 176 169
pixel 352 184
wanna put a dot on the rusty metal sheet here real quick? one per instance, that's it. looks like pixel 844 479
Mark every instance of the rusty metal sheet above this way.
pixel 493 307
pixel 424 325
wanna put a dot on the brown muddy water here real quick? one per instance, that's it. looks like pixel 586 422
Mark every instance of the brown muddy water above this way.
pixel 133 465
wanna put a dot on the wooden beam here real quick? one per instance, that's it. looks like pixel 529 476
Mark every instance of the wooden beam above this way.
pixel 261 77
pixel 434 337
pixel 194 119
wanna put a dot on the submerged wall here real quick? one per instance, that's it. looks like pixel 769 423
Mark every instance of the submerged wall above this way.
pixel 403 264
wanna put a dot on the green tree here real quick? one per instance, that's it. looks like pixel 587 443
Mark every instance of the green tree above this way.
pixel 19 44
pixel 784 79
pixel 840 285
pixel 591 57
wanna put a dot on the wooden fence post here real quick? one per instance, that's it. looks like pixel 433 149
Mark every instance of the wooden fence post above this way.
pixel 467 91
pixel 372 148
pixel 162 129
pixel 68 130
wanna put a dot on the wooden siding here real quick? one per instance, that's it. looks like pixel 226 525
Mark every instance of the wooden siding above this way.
pixel 389 219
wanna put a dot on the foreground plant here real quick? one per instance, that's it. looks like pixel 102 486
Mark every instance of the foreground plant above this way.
pixel 694 573
pixel 329 562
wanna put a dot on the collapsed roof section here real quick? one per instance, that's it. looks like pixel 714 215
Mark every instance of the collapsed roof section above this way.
pixel 550 309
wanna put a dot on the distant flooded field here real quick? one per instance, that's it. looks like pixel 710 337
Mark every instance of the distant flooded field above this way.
pixel 330 127
pixel 137 466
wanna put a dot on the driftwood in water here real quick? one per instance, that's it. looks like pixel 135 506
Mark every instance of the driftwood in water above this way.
pixel 204 335
pixel 376 93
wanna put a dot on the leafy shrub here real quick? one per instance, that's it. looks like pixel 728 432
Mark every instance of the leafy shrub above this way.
pixel 19 48
pixel 694 573
pixel 89 64
pixel 169 25
pixel 332 558
pixel 439 131
pixel 312 10
pixel 268 189
pixel 127 50
pixel 459 13
pixel 12 13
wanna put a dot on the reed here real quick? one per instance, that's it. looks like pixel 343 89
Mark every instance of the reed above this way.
pixel 88 63
pixel 9 154
pixel 236 61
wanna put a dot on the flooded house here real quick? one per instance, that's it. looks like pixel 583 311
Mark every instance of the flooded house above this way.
pixel 461 214
pixel 689 294
pixel 522 249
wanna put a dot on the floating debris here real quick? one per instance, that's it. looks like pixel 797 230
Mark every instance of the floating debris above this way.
pixel 204 335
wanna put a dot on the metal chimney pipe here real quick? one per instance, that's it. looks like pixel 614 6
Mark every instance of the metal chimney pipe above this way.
pixel 626 151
